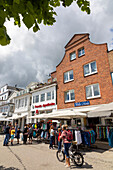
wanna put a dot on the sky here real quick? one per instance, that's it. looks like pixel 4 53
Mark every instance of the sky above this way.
pixel 31 57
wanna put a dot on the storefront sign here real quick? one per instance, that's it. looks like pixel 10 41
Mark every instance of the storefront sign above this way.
pixel 44 105
pixel 82 103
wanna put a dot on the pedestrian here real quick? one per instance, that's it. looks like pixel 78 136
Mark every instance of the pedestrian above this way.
pixel 59 139
pixel 67 145
pixel 18 134
pixel 30 134
pixel 25 134
pixel 51 137
pixel 8 133
pixel 12 135
pixel 16 127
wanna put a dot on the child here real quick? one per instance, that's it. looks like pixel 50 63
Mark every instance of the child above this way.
pixel 12 134
pixel 18 135
pixel 59 140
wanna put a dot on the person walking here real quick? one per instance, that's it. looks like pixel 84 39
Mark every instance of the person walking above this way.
pixel 25 134
pixel 59 139
pixel 12 135
pixel 30 134
pixel 51 137
pixel 18 134
pixel 8 133
pixel 67 145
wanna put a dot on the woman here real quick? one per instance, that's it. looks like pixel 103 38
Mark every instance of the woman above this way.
pixel 12 135
pixel 51 137
pixel 67 145
pixel 59 140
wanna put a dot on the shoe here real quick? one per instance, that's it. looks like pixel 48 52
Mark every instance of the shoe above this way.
pixel 67 166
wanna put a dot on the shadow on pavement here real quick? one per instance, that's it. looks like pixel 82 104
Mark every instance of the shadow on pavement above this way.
pixel 85 165
pixel 10 168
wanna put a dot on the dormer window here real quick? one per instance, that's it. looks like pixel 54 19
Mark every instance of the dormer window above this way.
pixel 81 52
pixel 72 56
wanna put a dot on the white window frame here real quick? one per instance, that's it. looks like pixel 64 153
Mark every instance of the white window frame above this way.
pixel 69 91
pixel 41 97
pixel 68 77
pixel 92 97
pixel 49 96
pixel 73 54
pixel 81 49
pixel 90 73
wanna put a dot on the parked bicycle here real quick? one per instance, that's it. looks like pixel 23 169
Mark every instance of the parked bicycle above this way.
pixel 75 156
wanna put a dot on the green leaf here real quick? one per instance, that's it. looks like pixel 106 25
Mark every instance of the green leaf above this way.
pixel 28 20
pixel 36 28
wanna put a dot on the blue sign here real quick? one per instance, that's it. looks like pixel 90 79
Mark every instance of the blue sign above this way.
pixel 82 103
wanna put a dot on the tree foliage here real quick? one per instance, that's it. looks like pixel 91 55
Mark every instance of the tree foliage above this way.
pixel 33 12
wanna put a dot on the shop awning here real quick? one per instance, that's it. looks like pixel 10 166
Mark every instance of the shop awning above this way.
pixel 61 114
pixel 99 114
pixel 104 110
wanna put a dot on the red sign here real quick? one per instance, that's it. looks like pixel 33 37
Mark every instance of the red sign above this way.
pixel 44 105
pixel 37 112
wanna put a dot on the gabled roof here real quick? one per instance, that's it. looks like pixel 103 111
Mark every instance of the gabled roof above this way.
pixel 76 37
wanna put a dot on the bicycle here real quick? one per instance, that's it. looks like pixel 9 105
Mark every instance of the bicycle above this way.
pixel 75 156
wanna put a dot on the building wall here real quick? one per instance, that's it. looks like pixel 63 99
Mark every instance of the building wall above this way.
pixel 110 57
pixel 93 52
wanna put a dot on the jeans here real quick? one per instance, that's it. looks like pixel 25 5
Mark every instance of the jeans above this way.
pixel 51 141
pixel 66 149
pixel 59 145
pixel 6 140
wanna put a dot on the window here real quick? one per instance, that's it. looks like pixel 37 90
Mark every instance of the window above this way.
pixel 52 94
pixel 36 99
pixel 90 68
pixel 68 76
pixel 112 77
pixel 49 96
pixel 81 52
pixel 69 96
pixel 42 97
pixel 92 91
pixel 72 56
pixel 25 101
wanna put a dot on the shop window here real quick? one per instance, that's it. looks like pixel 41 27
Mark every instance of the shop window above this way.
pixel 69 96
pixel 90 68
pixel 72 56
pixel 68 76
pixel 81 52
pixel 92 91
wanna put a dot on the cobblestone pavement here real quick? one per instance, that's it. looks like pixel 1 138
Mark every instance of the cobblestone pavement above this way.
pixel 39 157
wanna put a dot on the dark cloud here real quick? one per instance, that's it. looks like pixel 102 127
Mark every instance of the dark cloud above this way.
pixel 32 56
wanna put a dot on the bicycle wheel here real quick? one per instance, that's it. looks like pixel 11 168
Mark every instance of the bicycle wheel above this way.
pixel 78 159
pixel 60 155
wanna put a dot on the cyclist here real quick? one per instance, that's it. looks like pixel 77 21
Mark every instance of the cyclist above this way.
pixel 67 145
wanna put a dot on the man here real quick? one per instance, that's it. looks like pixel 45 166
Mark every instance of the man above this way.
pixel 8 133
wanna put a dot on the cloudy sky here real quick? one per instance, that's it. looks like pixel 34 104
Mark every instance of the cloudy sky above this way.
pixel 30 57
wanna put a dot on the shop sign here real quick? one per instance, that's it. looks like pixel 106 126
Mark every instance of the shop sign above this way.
pixel 44 105
pixel 82 103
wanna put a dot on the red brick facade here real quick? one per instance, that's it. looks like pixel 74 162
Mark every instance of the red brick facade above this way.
pixel 93 52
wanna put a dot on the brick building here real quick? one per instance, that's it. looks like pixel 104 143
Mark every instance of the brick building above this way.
pixel 83 75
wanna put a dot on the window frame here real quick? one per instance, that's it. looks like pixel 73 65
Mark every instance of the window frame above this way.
pixel 111 77
pixel 92 90
pixel 65 94
pixel 41 97
pixel 74 52
pixel 80 49
pixel 68 76
pixel 89 64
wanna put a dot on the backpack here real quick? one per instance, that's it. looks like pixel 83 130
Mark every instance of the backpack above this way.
pixel 69 135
